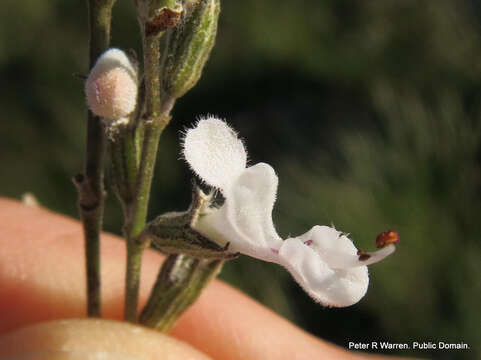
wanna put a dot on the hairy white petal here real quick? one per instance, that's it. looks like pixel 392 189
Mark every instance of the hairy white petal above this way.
pixel 332 246
pixel 330 287
pixel 245 219
pixel 249 207
pixel 214 152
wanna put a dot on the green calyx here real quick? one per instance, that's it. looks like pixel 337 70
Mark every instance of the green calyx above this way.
pixel 188 46
pixel 192 262
pixel 173 233
pixel 178 285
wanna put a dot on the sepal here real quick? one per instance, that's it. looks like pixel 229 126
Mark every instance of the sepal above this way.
pixel 173 233
pixel 179 283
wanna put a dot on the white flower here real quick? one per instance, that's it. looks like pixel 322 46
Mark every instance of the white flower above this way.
pixel 111 87
pixel 323 261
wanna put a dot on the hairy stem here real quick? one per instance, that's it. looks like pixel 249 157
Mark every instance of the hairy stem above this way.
pixel 156 118
pixel 90 185
pixel 124 164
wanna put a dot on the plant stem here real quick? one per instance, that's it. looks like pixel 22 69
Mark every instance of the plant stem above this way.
pixel 156 118
pixel 90 185
pixel 124 164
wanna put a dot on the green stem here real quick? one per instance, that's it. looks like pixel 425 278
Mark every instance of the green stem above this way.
pixel 124 164
pixel 130 157
pixel 157 116
pixel 91 184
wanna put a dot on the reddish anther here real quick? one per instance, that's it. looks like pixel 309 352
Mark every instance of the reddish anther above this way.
pixel 386 238
pixel 363 256
pixel 308 242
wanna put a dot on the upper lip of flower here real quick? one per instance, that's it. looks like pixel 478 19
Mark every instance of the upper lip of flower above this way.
pixel 324 261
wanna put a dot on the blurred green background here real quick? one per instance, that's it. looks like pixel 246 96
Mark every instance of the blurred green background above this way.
pixel 368 110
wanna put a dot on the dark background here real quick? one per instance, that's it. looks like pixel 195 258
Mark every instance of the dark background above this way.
pixel 368 110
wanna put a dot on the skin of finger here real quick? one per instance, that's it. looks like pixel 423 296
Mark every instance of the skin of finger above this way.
pixel 91 338
pixel 42 278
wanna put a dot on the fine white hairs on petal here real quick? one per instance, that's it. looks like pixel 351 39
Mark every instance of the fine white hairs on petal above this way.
pixel 310 259
pixel 333 246
pixel 215 153
pixel 249 207
pixel 245 218
pixel 111 86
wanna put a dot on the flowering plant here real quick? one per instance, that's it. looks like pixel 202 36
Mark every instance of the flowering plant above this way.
pixel 129 109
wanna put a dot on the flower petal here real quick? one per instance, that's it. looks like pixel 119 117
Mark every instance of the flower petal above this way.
pixel 245 218
pixel 332 245
pixel 311 266
pixel 214 152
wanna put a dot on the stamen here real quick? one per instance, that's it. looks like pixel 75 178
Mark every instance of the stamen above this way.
pixel 386 238
pixel 308 242
pixel 363 256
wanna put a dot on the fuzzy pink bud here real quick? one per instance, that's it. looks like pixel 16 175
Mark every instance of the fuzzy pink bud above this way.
pixel 111 86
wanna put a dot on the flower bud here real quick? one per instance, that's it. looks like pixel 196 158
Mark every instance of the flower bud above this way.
pixel 188 46
pixel 111 87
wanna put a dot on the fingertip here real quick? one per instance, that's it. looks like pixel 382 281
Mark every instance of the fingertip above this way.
pixel 93 339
